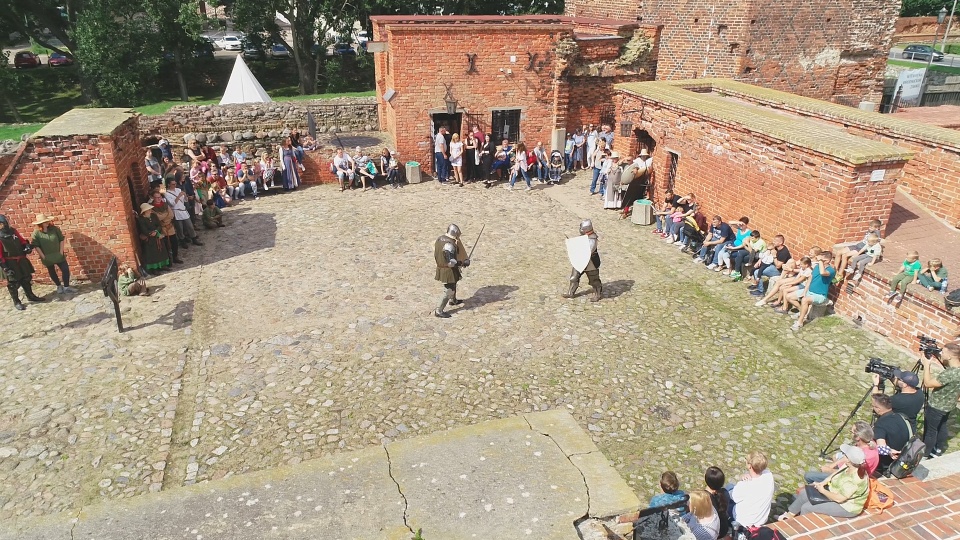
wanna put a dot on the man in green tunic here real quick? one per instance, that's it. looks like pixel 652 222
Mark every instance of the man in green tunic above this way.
pixel 48 241
pixel 154 255
pixel 15 265
pixel 451 256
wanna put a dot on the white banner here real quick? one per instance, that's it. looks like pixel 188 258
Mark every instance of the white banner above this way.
pixel 910 84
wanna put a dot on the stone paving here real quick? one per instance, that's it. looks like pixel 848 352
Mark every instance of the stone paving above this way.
pixel 304 329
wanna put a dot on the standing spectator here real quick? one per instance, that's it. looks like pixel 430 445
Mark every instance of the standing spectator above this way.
pixel 909 273
pixel 288 166
pixel 595 158
pixel 440 155
pixel 579 160
pixel 606 135
pixel 568 149
pixel 520 167
pixel 177 200
pixel 344 166
pixel 703 520
pixel 470 157
pixel 393 170
pixel 670 486
pixel 944 389
pixel 489 150
pixel 171 170
pixel 383 163
pixel 48 241
pixel 167 229
pixel 195 155
pixel 753 494
pixel 154 256
pixel 478 135
pixel 165 152
pixel 818 287
pixel 591 134
pixel 934 276
pixel 719 497
pixel 456 158
pixel 154 172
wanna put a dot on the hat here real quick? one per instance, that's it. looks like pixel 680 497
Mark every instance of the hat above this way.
pixel 43 218
pixel 393 152
pixel 644 152
pixel 908 377
pixel 144 207
pixel 358 149
pixel 163 142
pixel 854 454
pixel 615 155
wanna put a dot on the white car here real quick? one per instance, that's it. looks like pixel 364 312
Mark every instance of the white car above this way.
pixel 229 43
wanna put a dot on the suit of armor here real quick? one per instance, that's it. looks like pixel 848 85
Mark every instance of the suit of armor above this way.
pixel 593 267
pixel 451 256
pixel 17 268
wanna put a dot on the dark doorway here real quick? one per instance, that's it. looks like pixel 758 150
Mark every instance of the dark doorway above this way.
pixel 672 170
pixel 505 124
pixel 645 141
pixel 453 123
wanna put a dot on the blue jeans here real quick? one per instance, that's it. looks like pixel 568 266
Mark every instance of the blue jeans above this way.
pixel 568 161
pixel 64 269
pixel 526 177
pixel 298 153
pixel 770 271
pixel 662 223
pixel 441 163
pixel 542 171
pixel 596 176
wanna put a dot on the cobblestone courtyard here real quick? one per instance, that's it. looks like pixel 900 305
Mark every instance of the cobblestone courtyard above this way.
pixel 304 328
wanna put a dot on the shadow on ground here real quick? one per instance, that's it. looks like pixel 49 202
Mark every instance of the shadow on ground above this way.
pixel 489 294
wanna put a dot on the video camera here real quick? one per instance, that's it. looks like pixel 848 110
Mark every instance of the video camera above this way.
pixel 885 371
pixel 928 346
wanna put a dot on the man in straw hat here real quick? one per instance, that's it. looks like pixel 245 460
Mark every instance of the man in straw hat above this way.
pixel 47 239
pixel 15 265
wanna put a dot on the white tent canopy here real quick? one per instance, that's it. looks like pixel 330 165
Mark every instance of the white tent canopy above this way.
pixel 243 86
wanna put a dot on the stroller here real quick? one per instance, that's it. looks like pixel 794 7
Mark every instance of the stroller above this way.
pixel 695 231
pixel 556 166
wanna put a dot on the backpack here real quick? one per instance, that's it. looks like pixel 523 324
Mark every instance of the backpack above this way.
pixel 952 300
pixel 910 456
pixel 880 497
pixel 757 533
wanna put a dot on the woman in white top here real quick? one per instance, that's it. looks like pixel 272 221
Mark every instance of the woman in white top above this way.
pixel 702 518
pixel 456 158
pixel 591 135
pixel 520 167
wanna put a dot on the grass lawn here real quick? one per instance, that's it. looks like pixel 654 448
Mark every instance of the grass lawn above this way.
pixel 933 67
pixel 15 131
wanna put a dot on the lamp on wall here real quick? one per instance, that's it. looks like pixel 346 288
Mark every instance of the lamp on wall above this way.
pixel 450 101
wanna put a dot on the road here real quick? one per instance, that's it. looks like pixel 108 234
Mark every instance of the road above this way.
pixel 953 60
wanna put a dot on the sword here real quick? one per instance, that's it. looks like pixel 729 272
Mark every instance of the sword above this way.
pixel 470 256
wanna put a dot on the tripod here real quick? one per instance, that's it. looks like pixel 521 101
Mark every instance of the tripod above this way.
pixel 823 452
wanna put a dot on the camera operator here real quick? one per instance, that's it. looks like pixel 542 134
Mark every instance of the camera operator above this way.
pixel 944 386
pixel 892 431
pixel 906 400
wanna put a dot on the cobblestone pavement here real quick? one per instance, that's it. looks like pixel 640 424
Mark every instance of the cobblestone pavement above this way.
pixel 304 328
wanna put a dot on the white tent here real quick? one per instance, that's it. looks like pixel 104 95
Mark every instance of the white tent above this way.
pixel 243 86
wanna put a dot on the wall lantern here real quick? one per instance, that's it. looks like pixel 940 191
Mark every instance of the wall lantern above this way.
pixel 449 100
pixel 626 128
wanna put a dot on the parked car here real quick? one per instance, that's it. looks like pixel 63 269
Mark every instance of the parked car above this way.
pixel 59 60
pixel 204 49
pixel 921 52
pixel 361 37
pixel 229 43
pixel 252 51
pixel 344 49
pixel 26 59
pixel 278 50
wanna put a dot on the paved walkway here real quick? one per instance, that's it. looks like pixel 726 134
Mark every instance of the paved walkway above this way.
pixel 303 330
pixel 523 477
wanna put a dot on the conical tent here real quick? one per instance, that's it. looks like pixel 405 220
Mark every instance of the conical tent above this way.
pixel 243 86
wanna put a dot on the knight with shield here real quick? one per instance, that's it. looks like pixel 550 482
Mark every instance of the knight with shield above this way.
pixel 582 251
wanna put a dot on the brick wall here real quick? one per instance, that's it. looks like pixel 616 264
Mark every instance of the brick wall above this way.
pixel 84 181
pixel 624 10
pixel 809 197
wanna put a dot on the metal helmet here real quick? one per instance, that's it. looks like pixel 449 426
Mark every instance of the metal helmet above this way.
pixel 3 221
pixel 586 226
pixel 453 230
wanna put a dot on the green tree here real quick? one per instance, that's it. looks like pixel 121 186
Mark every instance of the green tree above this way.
pixel 178 25
pixel 9 82
pixel 923 8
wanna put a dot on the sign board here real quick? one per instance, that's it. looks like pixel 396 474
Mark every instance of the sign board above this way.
pixel 877 175
pixel 376 46
pixel 910 84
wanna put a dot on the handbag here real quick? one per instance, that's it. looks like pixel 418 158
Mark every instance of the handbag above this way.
pixel 814 495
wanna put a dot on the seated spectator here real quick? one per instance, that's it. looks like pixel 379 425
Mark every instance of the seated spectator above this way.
pixel 212 216
pixel 818 287
pixel 268 172
pixel 718 235
pixel 907 398
pixel 789 279
pixel 239 158
pixel 393 170
pixel 719 497
pixel 751 251
pixel 741 236
pixel 690 208
pixel 909 273
pixel 845 255
pixel 224 160
pixel 772 269
pixel 670 200
pixel 703 520
pixel 934 276
pixel 344 167
pixel 129 284
pixel 752 496
pixel 232 186
pixel 868 255
pixel 863 439
pixel 501 162
pixel 675 224
pixel 670 485
pixel 846 490
pixel 890 430
pixel 297 147
pixel 366 171
pixel 247 178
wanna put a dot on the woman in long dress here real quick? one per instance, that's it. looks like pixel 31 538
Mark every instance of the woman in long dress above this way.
pixel 289 165
pixel 154 254
pixel 470 158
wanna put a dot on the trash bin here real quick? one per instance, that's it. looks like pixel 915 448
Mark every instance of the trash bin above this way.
pixel 413 172
pixel 642 212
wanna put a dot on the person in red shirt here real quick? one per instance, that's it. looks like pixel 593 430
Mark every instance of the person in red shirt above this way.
pixel 862 439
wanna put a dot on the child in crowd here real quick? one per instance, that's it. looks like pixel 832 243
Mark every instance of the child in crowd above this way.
pixel 670 485
pixel 129 284
pixel 934 276
pixel 766 259
pixel 676 223
pixel 847 254
pixel 393 170
pixel 909 273
pixel 268 171
pixel 212 216
pixel 567 153
pixel 716 483
pixel 868 255
pixel 792 288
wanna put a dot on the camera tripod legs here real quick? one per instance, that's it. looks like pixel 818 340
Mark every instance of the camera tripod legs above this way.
pixel 823 452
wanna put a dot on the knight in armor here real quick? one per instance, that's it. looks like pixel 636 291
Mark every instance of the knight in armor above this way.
pixel 16 266
pixel 451 256
pixel 593 267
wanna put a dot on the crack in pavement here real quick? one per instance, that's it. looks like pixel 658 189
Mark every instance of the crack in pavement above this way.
pixel 76 521
pixel 586 486
pixel 400 491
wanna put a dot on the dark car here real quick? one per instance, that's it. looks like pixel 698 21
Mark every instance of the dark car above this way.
pixel 921 52
pixel 278 50
pixel 204 49
pixel 252 51
pixel 26 59
pixel 344 49
pixel 59 60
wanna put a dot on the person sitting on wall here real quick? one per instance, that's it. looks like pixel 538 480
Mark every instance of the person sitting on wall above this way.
pixel 501 161
pixel 752 496
pixel 344 167
pixel 934 276
pixel 366 171
pixel 671 492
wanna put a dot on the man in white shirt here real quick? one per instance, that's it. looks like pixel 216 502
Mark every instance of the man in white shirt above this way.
pixel 177 200
pixel 440 155
pixel 752 496
pixel 344 166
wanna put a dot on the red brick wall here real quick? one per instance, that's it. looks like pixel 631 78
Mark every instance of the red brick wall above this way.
pixel 83 181
pixel 811 198
pixel 624 10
